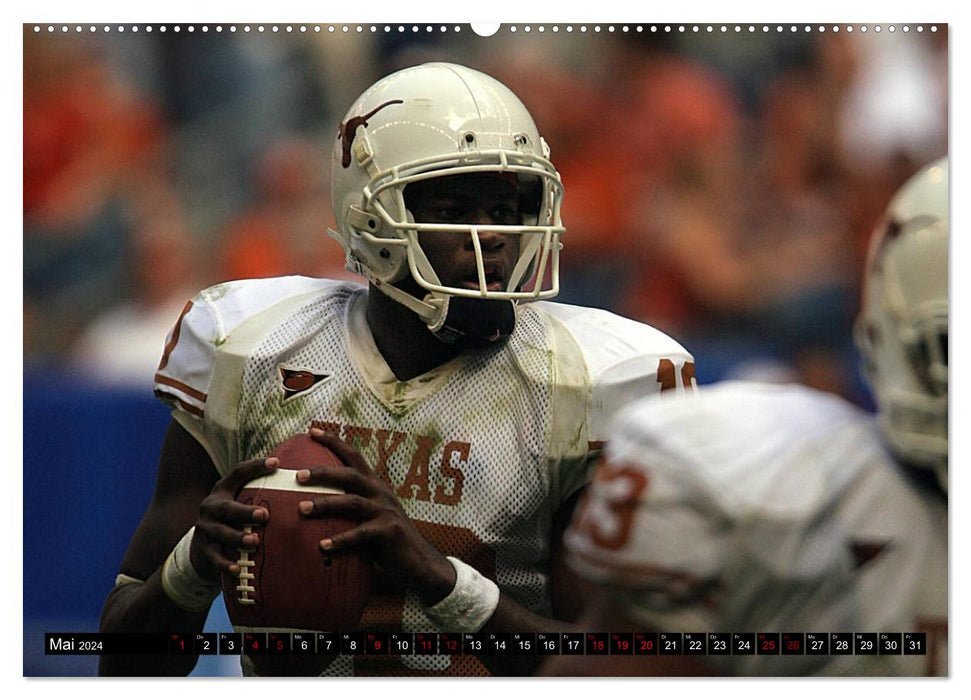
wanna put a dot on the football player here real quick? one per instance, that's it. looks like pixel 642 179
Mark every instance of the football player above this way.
pixel 469 405
pixel 777 509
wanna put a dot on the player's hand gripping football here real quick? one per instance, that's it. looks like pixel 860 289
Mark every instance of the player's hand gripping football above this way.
pixel 221 521
pixel 399 548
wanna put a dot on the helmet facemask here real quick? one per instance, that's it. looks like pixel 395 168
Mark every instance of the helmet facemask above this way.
pixel 457 312
pixel 902 331
pixel 434 121
pixel 913 400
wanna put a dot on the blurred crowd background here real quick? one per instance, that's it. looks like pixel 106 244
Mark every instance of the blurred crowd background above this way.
pixel 719 185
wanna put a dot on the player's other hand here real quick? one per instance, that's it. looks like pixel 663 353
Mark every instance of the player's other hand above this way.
pixel 221 522
pixel 399 548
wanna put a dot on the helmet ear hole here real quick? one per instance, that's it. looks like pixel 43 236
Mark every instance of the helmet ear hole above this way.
pixel 360 220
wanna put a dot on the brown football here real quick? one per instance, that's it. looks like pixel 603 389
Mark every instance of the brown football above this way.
pixel 287 582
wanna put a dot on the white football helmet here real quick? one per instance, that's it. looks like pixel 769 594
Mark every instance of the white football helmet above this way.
pixel 902 330
pixel 429 121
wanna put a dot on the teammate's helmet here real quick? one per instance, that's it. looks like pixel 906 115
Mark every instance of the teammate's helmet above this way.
pixel 902 330
pixel 429 121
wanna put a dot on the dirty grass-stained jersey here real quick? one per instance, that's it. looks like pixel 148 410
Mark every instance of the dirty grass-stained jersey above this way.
pixel 766 508
pixel 481 451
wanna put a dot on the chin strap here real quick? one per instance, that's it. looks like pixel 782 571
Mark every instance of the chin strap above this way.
pixel 434 311
pixel 475 322
pixel 445 333
pixel 431 310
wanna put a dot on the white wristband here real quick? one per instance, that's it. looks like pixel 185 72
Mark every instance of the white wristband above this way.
pixel 469 606
pixel 182 583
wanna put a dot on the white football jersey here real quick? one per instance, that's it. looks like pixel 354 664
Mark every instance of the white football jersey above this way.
pixel 755 508
pixel 481 451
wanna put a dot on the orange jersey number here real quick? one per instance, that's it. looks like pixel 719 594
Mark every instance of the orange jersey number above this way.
pixel 618 488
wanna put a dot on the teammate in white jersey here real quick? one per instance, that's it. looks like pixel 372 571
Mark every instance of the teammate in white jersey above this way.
pixel 469 406
pixel 778 509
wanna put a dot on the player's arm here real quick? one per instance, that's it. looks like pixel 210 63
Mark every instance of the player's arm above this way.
pixel 188 492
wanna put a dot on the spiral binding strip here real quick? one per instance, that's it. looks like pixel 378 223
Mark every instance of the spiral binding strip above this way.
pixel 509 29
